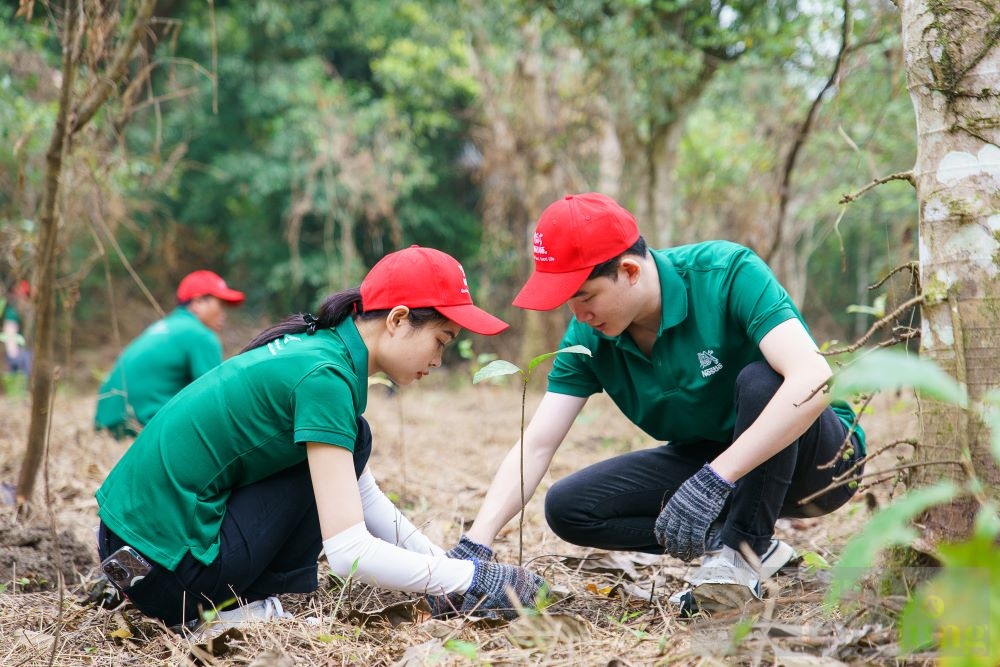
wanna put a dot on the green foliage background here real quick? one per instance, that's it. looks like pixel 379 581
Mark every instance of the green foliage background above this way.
pixel 289 145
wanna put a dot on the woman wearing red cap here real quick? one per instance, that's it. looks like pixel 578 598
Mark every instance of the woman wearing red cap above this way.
pixel 235 487
pixel 166 357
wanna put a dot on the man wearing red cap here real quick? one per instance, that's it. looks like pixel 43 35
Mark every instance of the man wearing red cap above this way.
pixel 703 349
pixel 167 356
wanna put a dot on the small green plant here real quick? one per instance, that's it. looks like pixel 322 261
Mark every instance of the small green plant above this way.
pixel 957 610
pixel 500 368
pixel 345 586
pixel 211 614
pixel 740 632
pixel 814 562
pixel 468 650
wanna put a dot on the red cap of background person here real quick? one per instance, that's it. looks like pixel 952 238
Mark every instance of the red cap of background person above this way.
pixel 22 288
pixel 574 235
pixel 207 283
pixel 418 277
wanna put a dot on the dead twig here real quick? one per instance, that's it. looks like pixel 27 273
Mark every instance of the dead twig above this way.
pixel 847 438
pixel 838 482
pixel 880 324
pixel 898 176
pixel 912 267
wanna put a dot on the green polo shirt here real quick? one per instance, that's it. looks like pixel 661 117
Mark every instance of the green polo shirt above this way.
pixel 162 360
pixel 9 312
pixel 719 300
pixel 241 422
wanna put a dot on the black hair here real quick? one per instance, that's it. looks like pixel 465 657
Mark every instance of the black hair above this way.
pixel 335 309
pixel 609 269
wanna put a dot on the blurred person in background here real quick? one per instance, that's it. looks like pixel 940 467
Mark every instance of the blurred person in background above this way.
pixel 166 357
pixel 15 313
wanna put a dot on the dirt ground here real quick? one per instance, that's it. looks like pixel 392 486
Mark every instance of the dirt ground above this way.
pixel 436 447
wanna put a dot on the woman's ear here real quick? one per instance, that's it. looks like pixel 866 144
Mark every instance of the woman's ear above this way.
pixel 396 318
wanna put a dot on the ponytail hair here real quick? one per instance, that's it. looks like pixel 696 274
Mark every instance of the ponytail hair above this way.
pixel 335 309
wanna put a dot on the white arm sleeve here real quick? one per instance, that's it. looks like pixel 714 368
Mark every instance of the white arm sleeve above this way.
pixel 387 566
pixel 386 522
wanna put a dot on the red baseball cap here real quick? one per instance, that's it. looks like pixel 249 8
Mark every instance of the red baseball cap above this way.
pixel 426 278
pixel 207 283
pixel 574 235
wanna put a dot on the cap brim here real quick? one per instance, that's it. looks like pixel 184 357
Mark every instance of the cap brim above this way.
pixel 548 291
pixel 473 318
pixel 232 296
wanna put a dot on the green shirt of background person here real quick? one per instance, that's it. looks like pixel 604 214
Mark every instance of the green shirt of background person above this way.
pixel 166 357
pixel 13 308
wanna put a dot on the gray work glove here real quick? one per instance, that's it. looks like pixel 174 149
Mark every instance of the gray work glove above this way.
pixel 488 595
pixel 443 606
pixel 684 522
pixel 466 549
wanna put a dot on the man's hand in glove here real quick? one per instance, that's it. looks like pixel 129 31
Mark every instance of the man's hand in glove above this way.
pixel 684 522
pixel 488 595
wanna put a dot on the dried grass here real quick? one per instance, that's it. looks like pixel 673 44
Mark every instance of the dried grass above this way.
pixel 437 446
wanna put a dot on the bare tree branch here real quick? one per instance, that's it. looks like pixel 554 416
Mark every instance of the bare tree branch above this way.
pixel 882 323
pixel 898 176
pixel 116 71
pixel 803 133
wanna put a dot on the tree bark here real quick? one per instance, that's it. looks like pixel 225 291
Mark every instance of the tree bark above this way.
pixel 43 368
pixel 953 68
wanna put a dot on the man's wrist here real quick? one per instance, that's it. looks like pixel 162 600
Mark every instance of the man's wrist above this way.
pixel 721 475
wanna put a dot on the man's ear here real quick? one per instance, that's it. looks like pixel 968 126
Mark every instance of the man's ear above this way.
pixel 631 267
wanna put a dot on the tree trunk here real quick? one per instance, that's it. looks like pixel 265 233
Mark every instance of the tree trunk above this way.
pixel 953 68
pixel 652 164
pixel 72 116
pixel 43 367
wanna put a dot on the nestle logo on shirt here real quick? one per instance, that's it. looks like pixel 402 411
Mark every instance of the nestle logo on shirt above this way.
pixel 710 365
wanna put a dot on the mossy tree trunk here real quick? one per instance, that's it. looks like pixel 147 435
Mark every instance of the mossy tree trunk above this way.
pixel 953 72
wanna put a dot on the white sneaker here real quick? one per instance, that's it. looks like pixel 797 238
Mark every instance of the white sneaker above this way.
pixel 777 556
pixel 726 579
pixel 258 611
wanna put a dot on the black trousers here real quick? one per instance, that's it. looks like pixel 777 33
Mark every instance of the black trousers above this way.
pixel 269 543
pixel 613 504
